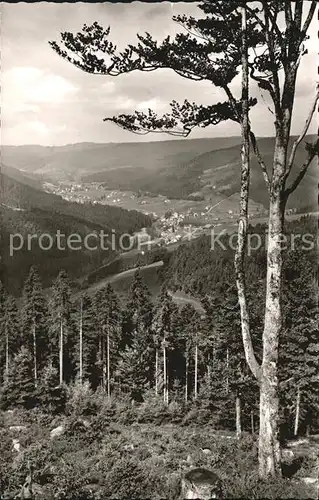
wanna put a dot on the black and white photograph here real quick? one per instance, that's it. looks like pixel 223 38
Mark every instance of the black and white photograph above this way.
pixel 159 334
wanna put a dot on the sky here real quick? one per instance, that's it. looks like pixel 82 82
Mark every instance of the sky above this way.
pixel 45 100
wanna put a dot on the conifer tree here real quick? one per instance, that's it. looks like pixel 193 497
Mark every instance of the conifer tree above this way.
pixel 87 339
pixel 34 316
pixel 62 328
pixel 139 347
pixel 109 320
pixel 18 389
pixel 11 331
pixel 166 324
pixel 50 394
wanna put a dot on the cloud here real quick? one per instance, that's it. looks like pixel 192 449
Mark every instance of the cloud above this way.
pixel 47 100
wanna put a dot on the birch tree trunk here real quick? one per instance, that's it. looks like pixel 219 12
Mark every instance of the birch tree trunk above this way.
pixel 297 416
pixel 35 370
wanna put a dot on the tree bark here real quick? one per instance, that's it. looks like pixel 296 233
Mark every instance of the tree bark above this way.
pixel 297 416
pixel 238 417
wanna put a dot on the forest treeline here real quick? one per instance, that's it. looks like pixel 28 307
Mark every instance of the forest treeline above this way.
pixel 140 346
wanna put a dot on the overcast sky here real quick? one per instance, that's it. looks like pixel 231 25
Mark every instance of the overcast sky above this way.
pixel 45 100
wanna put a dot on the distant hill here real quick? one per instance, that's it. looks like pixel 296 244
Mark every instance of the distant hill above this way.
pixel 26 210
pixel 74 161
pixel 177 168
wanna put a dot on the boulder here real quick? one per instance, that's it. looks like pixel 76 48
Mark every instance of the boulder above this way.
pixel 57 432
pixel 201 484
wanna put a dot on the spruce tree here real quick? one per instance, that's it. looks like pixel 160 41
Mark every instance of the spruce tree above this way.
pixel 34 315
pixel 11 333
pixel 87 339
pixel 62 328
pixel 140 347
pixel 109 321
pixel 50 394
pixel 166 325
pixel 18 389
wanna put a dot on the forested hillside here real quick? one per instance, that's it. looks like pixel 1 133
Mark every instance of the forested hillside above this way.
pixel 28 211
pixel 82 359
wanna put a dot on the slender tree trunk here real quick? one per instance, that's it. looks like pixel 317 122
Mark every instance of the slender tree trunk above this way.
pixel 227 370
pixel 269 448
pixel 186 377
pixel 238 417
pixel 103 362
pixel 108 365
pixel 196 372
pixel 35 371
pixel 297 416
pixel 252 422
pixel 61 351
pixel 7 354
pixel 209 369
pixel 156 371
pixel 81 342
pixel 164 372
pixel 100 360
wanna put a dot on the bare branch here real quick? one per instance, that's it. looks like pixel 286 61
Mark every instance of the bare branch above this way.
pixel 298 14
pixel 272 55
pixel 302 135
pixel 313 150
pixel 309 18
pixel 288 14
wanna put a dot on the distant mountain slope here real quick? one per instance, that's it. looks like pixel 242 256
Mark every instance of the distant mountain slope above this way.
pixel 211 173
pixel 77 160
pixel 175 168
pixel 18 175
pixel 18 194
